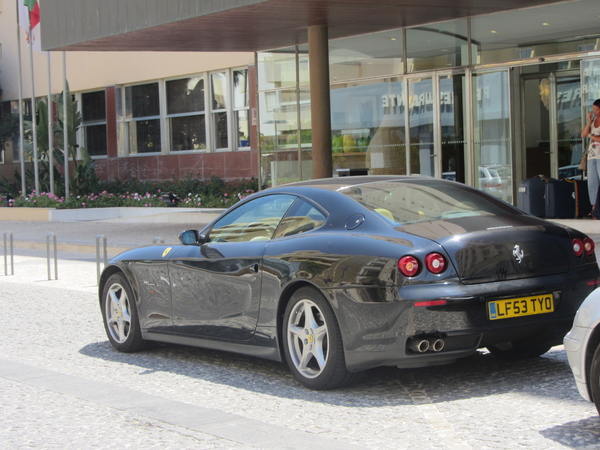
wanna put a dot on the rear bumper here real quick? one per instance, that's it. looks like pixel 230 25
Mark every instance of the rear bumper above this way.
pixel 377 333
pixel 575 347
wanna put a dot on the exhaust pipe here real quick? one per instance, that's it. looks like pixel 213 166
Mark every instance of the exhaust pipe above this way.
pixel 436 345
pixel 419 345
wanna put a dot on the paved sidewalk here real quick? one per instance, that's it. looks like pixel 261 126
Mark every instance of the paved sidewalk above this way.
pixel 62 385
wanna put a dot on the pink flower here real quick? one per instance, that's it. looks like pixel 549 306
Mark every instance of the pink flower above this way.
pixel 82 203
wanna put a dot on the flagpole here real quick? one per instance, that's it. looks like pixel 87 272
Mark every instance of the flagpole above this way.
pixel 21 124
pixel 65 126
pixel 33 121
pixel 50 131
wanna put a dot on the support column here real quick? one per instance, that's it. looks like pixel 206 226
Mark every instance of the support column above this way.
pixel 320 107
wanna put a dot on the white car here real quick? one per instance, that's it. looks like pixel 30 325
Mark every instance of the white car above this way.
pixel 582 345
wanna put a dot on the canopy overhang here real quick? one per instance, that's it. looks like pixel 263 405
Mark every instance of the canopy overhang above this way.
pixel 237 25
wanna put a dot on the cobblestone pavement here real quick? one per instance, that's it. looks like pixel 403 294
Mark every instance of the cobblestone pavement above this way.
pixel 63 385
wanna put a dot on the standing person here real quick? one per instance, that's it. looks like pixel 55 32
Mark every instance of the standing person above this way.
pixel 592 129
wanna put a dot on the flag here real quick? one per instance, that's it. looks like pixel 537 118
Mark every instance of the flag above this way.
pixel 29 13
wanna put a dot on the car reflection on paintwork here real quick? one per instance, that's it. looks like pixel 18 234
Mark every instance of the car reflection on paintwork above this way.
pixel 340 275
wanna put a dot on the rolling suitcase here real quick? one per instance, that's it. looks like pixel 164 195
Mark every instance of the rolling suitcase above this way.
pixel 560 199
pixel 582 198
pixel 531 196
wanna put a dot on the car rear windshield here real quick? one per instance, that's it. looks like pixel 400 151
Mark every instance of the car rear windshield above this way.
pixel 410 201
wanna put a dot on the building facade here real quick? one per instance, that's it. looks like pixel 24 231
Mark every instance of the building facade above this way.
pixel 483 93
pixel 146 115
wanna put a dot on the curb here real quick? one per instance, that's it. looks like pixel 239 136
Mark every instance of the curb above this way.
pixel 71 247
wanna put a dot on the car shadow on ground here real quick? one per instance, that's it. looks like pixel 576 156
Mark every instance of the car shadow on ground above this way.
pixel 480 375
pixel 583 434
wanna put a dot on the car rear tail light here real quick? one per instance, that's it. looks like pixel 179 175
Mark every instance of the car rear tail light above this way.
pixel 492 185
pixel 589 246
pixel 577 245
pixel 435 263
pixel 432 303
pixel 408 266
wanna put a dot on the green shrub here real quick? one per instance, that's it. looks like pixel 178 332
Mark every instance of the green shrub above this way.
pixel 191 193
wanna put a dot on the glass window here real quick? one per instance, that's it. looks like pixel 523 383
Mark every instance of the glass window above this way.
pixel 185 113
pixel 536 32
pixel 368 127
pixel 219 97
pixel 277 69
pixel 142 118
pixel 364 56
pixel 279 129
pixel 437 46
pixel 93 112
pixel 255 220
pixel 26 107
pixel 424 200
pixel 301 217
pixel 241 107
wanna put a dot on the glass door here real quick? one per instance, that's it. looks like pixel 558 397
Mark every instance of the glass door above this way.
pixel 421 126
pixel 452 127
pixel 551 105
pixel 492 134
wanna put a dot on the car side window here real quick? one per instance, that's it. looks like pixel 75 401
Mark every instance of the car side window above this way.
pixel 301 217
pixel 255 220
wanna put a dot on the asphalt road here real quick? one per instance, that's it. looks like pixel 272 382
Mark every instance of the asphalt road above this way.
pixel 63 386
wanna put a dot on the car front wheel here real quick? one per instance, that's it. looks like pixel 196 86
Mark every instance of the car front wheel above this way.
pixel 313 342
pixel 594 380
pixel 120 315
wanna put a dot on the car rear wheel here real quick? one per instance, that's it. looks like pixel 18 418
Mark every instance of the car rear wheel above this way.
pixel 594 380
pixel 120 316
pixel 518 350
pixel 313 342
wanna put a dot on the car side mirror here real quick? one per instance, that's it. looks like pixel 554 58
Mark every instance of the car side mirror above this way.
pixel 191 237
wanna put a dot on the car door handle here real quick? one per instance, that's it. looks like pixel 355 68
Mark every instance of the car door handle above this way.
pixel 254 268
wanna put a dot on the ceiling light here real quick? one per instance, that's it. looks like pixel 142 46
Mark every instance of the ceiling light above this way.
pixel 493 31
pixel 392 39
pixel 545 24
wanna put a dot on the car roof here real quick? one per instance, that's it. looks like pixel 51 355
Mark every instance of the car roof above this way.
pixel 337 183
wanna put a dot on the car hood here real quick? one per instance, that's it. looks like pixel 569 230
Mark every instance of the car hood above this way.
pixel 496 248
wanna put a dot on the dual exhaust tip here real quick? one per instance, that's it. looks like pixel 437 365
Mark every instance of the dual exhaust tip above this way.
pixel 422 345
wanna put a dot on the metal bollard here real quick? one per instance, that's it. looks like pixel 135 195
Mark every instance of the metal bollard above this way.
pixel 48 256
pixel 158 240
pixel 98 255
pixel 12 255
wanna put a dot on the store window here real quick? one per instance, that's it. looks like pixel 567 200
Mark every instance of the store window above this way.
pixel 437 46
pixel 93 111
pixel 219 94
pixel 141 118
pixel 186 113
pixel 368 127
pixel 241 103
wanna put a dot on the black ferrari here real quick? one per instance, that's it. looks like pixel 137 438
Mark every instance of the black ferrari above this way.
pixel 339 275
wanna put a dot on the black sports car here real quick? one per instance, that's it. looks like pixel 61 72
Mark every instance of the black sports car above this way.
pixel 339 275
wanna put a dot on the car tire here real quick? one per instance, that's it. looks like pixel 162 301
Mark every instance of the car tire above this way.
pixel 312 342
pixel 120 315
pixel 594 380
pixel 519 350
